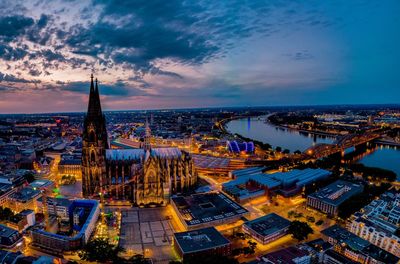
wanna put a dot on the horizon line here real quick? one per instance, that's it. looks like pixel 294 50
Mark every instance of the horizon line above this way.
pixel 214 107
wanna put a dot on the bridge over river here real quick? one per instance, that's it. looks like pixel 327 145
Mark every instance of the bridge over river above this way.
pixel 341 144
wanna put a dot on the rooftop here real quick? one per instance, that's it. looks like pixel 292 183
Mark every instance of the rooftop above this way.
pixel 41 184
pixel 337 192
pixel 58 201
pixel 268 224
pixel 5 187
pixel 206 207
pixel 136 154
pixel 333 254
pixel 8 257
pixel 25 194
pixel 70 162
pixel 285 256
pixel 200 239
pixel 6 231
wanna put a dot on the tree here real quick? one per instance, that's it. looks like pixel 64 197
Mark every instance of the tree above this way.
pixel 29 176
pixel 310 219
pixel 290 214
pixel 6 213
pixel 100 250
pixel 300 230
pixel 286 151
pixel 278 149
pixel 252 246
pixel 297 152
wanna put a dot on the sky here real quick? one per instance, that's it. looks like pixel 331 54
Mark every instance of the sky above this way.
pixel 183 54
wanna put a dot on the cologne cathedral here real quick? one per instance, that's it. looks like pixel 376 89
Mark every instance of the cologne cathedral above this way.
pixel 144 176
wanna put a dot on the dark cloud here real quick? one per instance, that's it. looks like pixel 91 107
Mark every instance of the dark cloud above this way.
pixel 9 53
pixel 42 22
pixel 34 72
pixel 13 26
pixel 137 33
pixel 119 88
pixel 12 78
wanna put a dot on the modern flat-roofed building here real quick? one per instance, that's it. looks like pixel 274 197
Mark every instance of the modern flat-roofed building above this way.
pixel 205 241
pixel 59 207
pixel 57 244
pixel 328 199
pixel 8 257
pixel 5 191
pixel 24 199
pixel 16 180
pixel 267 228
pixel 206 209
pixel 9 237
pixel 43 185
pixel 252 182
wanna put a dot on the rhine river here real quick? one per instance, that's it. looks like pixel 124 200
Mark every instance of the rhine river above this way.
pixel 257 129
pixel 384 157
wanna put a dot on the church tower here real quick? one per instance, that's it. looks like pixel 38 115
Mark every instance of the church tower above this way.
pixel 94 145
pixel 147 136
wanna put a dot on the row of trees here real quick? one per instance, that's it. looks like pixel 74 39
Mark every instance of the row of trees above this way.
pixel 6 214
pixel 101 250
pixel 250 249
pixel 68 179
pixel 373 172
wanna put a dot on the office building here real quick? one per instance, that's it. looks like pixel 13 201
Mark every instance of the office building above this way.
pixel 267 228
pixel 9 237
pixel 329 198
pixel 205 241
pixel 23 199
pixel 206 209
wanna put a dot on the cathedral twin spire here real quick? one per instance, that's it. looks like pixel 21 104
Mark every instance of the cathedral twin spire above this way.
pixel 94 107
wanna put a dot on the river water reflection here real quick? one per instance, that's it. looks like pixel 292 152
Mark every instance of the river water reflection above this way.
pixel 383 157
pixel 257 129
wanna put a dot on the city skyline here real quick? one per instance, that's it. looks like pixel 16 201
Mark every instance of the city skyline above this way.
pixel 183 55
pixel 192 132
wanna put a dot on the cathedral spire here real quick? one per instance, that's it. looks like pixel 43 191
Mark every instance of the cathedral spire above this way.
pixel 97 93
pixel 91 83
pixel 94 107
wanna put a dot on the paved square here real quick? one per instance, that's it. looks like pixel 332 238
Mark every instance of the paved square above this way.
pixel 147 231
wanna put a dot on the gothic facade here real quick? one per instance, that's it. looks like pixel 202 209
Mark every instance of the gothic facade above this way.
pixel 145 176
